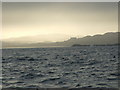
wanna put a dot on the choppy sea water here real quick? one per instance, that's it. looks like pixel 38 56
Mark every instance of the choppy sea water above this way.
pixel 73 67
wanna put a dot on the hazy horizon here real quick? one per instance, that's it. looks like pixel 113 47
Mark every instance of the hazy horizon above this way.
pixel 58 21
pixel 45 38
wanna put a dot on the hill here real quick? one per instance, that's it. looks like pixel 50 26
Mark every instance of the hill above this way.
pixel 109 38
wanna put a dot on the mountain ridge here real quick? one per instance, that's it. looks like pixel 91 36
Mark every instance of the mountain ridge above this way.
pixel 108 38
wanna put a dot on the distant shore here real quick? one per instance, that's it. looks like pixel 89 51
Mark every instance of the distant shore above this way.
pixel 74 45
pixel 78 45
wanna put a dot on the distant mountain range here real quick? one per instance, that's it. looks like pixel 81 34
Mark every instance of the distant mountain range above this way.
pixel 104 39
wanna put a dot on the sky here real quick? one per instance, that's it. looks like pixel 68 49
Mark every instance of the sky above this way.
pixel 58 21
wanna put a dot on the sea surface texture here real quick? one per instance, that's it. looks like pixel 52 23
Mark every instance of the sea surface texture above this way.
pixel 68 67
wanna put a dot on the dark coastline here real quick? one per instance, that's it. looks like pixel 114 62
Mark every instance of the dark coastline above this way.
pixel 78 45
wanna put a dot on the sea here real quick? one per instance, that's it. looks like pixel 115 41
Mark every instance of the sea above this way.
pixel 60 67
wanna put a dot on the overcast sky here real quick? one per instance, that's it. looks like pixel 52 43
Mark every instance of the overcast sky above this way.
pixel 58 19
